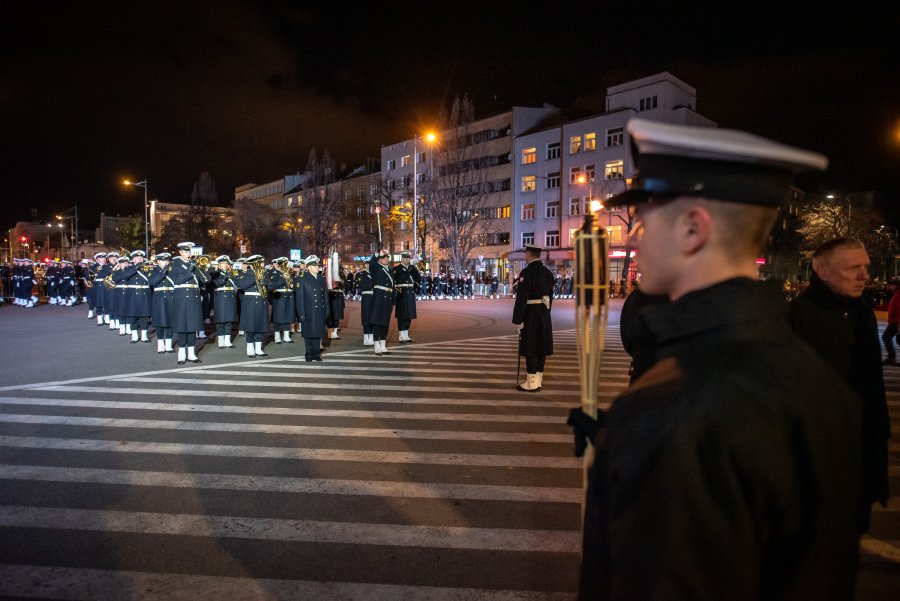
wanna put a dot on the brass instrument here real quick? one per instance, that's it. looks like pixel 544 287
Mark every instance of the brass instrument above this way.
pixel 259 270
pixel 591 305
pixel 202 262
pixel 108 282
pixel 148 266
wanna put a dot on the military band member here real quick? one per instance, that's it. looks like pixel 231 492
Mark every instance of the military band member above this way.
pixel 279 283
pixel 98 291
pixel 254 319
pixel 187 307
pixel 365 286
pixel 66 292
pixel 534 296
pixel 118 296
pixel 51 281
pixel 139 303
pixel 224 301
pixel 335 309
pixel 312 308
pixel 406 280
pixel 161 305
pixel 382 300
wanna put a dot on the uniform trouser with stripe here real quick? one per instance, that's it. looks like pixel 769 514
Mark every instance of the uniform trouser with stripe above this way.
pixel 224 328
pixel 186 339
pixel 534 363
pixel 368 329
pixel 379 332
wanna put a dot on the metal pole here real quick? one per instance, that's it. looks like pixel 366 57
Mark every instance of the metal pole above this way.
pixel 415 194
pixel 146 223
pixel 75 237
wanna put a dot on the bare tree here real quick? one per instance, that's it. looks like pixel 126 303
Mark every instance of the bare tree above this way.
pixel 257 225
pixel 457 209
pixel 320 208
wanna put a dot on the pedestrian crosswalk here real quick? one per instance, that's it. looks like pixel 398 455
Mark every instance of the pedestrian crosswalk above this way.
pixel 422 474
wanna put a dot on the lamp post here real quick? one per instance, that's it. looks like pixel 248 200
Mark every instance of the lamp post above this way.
pixel 378 215
pixel 74 221
pixel 143 184
pixel 429 137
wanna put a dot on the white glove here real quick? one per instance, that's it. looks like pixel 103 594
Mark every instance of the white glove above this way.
pixel 521 325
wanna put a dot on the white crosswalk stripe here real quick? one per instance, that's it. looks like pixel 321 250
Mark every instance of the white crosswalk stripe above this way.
pixel 422 476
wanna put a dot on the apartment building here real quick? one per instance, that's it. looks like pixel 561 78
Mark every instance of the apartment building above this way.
pixel 561 168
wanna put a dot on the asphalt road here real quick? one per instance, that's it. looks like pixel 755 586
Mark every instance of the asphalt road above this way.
pixel 419 475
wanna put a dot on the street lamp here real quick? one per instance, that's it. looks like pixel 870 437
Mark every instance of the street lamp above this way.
pixel 74 219
pixel 143 184
pixel 430 138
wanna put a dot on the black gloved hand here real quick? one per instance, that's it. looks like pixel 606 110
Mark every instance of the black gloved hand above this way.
pixel 585 428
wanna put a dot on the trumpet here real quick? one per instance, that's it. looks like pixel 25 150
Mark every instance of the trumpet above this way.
pixel 202 262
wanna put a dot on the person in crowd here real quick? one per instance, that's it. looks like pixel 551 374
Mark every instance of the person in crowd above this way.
pixel 406 279
pixel 730 468
pixel 312 308
pixel 187 305
pixel 835 317
pixel 383 295
pixel 161 304
pixel 224 299
pixel 254 318
pixel 279 282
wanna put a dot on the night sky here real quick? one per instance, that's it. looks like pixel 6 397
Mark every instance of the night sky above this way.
pixel 93 92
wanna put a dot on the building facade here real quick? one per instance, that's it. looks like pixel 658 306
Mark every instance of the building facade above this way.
pixel 560 169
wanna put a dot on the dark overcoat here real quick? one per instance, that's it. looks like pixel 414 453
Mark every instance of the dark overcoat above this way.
pixel 100 291
pixel 406 280
pixel 51 280
pixel 224 296
pixel 335 306
pixel 187 306
pixel 141 302
pixel 844 332
pixel 66 281
pixel 382 294
pixel 281 293
pixel 365 283
pixel 312 305
pixel 163 293
pixel 254 307
pixel 536 337
pixel 730 469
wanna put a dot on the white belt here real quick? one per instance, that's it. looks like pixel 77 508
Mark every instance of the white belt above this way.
pixel 185 285
pixel 135 286
pixel 284 290
pixel 252 294
pixel 226 288
pixel 164 288
pixel 385 288
pixel 367 292
pixel 534 301
pixel 405 285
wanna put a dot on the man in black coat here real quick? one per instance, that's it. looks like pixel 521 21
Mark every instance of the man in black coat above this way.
pixel 836 318
pixel 406 279
pixel 161 305
pixel 730 469
pixel 365 287
pixel 534 297
pixel 224 300
pixel 254 317
pixel 312 308
pixel 187 304
pixel 382 300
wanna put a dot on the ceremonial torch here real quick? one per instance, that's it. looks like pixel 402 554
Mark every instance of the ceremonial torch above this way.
pixel 591 304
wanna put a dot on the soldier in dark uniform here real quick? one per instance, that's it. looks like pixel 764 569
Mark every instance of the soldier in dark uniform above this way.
pixel 731 468
pixel 335 309
pixel 139 302
pixel 254 319
pixel 312 308
pixel 365 288
pixel 382 300
pixel 66 291
pixel 534 297
pixel 116 296
pixel 280 285
pixel 51 280
pixel 187 306
pixel 98 290
pixel 495 286
pixel 224 300
pixel 406 279
pixel 161 304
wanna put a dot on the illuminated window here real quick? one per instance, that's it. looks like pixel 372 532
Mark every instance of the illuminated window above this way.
pixel 503 212
pixel 615 136
pixel 574 144
pixel 616 235
pixel 552 151
pixel 405 160
pixel 590 141
pixel 589 172
pixel 529 155
pixel 529 183
pixel 348 194
pixel 528 212
pixel 551 238
pixel 574 172
pixel 373 189
pixel 361 228
pixel 615 170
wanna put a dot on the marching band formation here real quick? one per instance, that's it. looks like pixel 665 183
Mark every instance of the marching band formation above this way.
pixel 178 296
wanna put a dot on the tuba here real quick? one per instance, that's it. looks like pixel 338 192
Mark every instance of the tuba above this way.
pixel 259 270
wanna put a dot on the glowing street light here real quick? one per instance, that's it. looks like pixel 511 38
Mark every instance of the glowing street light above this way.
pixel 143 184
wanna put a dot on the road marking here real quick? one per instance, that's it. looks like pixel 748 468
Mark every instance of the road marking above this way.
pixel 880 548
pixel 398 433
pixel 347 533
pixel 255 410
pixel 423 490
pixel 115 585
pixel 292 453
